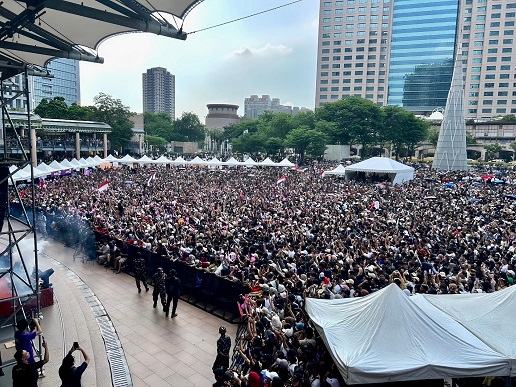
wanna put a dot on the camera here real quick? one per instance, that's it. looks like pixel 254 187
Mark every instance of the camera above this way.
pixel 75 345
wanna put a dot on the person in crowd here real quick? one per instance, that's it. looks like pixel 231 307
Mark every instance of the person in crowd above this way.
pixel 160 291
pixel 173 288
pixel 24 372
pixel 223 348
pixel 69 374
pixel 23 337
pixel 140 272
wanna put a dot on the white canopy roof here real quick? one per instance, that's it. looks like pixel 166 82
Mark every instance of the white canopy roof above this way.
pixel 387 337
pixel 179 161
pixel 249 162
pixel 267 163
pixel 145 160
pixel 20 175
pixel 197 161
pixel 110 159
pixel 285 163
pixel 231 162
pixel 162 160
pixel 127 159
pixel 37 172
pixel 57 166
pixel 379 164
pixel 339 170
pixel 90 161
pixel 76 163
pixel 47 168
pixel 66 164
pixel 214 162
pixel 84 163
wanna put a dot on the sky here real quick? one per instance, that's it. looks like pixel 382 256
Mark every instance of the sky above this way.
pixel 274 53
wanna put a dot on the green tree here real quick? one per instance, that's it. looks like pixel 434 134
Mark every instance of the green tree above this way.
pixel 432 135
pixel 492 150
pixel 158 124
pixel 357 120
pixel 80 113
pixel 247 125
pixel 273 145
pixel 251 143
pixel 305 140
pixel 114 113
pixel 188 128
pixel 470 139
pixel 159 143
pixel 55 108
pixel 507 118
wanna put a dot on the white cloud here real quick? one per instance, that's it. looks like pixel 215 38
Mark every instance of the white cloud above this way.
pixel 267 50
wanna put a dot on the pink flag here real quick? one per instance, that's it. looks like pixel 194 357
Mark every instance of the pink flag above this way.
pixel 281 179
pixel 104 186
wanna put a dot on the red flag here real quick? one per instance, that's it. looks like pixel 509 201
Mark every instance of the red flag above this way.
pixel 151 178
pixel 322 173
pixel 104 186
pixel 281 179
pixel 42 183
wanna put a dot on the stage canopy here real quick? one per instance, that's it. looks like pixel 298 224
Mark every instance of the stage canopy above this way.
pixel 390 337
pixel 33 32
pixel 339 171
pixel 396 172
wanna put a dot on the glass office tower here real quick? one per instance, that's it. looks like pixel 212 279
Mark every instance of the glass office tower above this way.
pixel 65 83
pixel 422 52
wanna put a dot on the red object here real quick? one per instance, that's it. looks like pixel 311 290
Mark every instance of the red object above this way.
pixel 6 307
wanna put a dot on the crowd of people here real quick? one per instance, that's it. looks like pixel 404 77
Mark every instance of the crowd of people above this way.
pixel 303 236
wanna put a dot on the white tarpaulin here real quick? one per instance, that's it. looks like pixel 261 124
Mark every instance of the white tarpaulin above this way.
pixel 339 171
pixel 396 172
pixel 387 337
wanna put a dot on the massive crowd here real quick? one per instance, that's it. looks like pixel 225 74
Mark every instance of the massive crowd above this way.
pixel 308 236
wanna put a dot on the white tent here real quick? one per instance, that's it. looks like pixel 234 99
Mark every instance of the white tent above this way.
pixel 57 166
pixel 249 162
pixel 179 161
pixel 21 175
pixel 76 164
pixel 162 160
pixel 145 160
pixel 197 161
pixel 110 159
pixel 127 159
pixel 395 171
pixel 267 163
pixel 47 168
pixel 66 164
pixel 388 337
pixel 214 162
pixel 36 172
pixel 232 162
pixel 99 160
pixel 339 171
pixel 285 163
pixel 84 163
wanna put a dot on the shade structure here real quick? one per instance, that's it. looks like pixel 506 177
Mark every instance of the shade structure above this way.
pixel 267 163
pixel 144 160
pixel 339 171
pixel 214 162
pixel 47 168
pixel 84 163
pixel 41 30
pixel 20 175
pixel 68 165
pixel 127 160
pixel 231 162
pixel 197 161
pixel 162 160
pixel 249 162
pixel 286 163
pixel 77 164
pixel 57 166
pixel 36 173
pixel 110 159
pixel 179 161
pixel 387 337
pixel 395 171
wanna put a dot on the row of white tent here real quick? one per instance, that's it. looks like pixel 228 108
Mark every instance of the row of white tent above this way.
pixel 44 170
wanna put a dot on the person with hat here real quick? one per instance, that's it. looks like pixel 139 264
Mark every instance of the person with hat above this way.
pixel 173 287
pixel 223 347
pixel 140 272
pixel 159 289
pixel 24 373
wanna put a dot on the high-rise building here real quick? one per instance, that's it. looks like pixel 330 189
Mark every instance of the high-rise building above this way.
pixel 401 52
pixel 159 91
pixel 64 83
pixel 254 106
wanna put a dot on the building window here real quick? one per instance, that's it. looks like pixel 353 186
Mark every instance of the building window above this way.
pixel 490 76
pixel 494 33
pixel 488 93
pixel 474 94
pixel 350 10
pixel 510 14
pixel 503 84
pixel 327 3
pixel 495 24
pixel 323 96
pixel 474 86
pixel 489 85
pixel 337 34
pixel 501 111
pixel 487 102
pixel 506 50
pixel 502 94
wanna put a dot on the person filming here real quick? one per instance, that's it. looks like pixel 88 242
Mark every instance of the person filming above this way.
pixel 69 374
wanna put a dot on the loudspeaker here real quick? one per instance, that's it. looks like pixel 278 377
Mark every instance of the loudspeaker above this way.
pixel 4 172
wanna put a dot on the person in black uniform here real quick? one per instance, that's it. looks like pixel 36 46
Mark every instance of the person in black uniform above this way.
pixel 25 374
pixel 173 286
pixel 159 288
pixel 140 272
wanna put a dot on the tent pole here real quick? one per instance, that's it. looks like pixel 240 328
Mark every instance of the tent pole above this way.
pixel 508 381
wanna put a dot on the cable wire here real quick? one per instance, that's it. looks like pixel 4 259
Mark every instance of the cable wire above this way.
pixel 245 17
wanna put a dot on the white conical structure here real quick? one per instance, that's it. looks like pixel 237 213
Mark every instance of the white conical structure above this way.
pixel 450 154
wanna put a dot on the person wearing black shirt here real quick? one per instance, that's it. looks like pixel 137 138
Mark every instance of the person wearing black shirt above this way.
pixel 25 374
pixel 173 287
pixel 69 374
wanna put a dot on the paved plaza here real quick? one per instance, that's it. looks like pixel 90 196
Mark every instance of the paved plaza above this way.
pixel 159 351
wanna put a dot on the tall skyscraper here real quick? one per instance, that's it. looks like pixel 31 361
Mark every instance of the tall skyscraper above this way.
pixel 401 52
pixel 255 106
pixel 159 91
pixel 65 82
